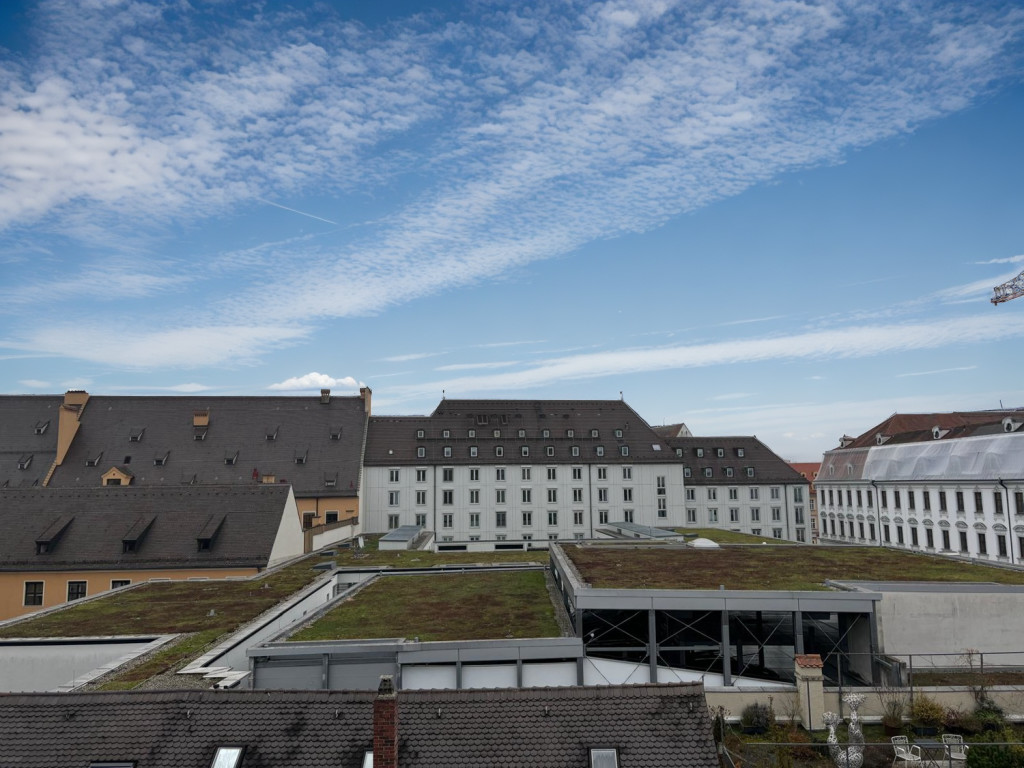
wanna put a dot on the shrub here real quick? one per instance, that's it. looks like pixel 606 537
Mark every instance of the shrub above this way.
pixel 926 711
pixel 757 716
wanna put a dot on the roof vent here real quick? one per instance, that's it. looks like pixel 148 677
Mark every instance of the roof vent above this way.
pixel 845 441
pixel 881 439
pixel 938 432
pixel 325 396
pixel 1011 425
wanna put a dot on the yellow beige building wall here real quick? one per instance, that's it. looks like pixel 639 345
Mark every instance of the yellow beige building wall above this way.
pixel 55 584
pixel 313 512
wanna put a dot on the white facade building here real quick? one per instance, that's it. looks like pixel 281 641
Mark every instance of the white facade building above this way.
pixel 514 474
pixel 948 483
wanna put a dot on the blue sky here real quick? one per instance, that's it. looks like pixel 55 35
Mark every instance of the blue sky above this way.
pixel 771 218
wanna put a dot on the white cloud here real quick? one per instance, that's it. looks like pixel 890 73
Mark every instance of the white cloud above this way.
pixel 315 380
pixel 1009 260
pixel 733 396
pixel 34 384
pixel 941 370
pixel 410 356
pixel 475 366
pixel 843 343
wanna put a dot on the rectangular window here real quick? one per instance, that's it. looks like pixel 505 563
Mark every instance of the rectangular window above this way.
pixel 602 494
pixel 800 535
pixel 527 519
pixel 1018 503
pixel 447 520
pixel 392 475
pixel 393 521
pixel 577 473
pixel 849 498
pixel 913 537
pixel 963 541
pixel 627 473
pixel 945 540
pixel 474 496
pixel 575 450
pixel 33 593
pixel 708 472
pixel 926 500
pixel 1001 544
pixel 473 452
pixel 942 501
pixel 499 495
pixel 831 501
pixel 734 514
pixel 776 533
pixel 754 494
pixel 76 590
pixel 499 474
pixel 392 498
pixel 447 451
pixel 686 472
pixel 602 473
pixel 448 497
pixel 982 544
pixel 474 519
pixel 860 497
pixel 421 498
pixel 602 516
pixel 755 514
pixel 421 520
pixel 552 517
pixel 899 534
pixel 499 451
pixel 997 500
pixel 552 495
pixel 691 515
pixel 959 501
pixel 527 495
pixel 911 504
pixel 524 473
pixel 871 530
pixel 447 475
pixel 500 519
pixel 885 534
pixel 712 515
pixel 552 473
pixel 712 494
pixel 118 583
pixel 734 494
pixel 929 538
pixel 474 475
pixel 662 507
pixel 885 499
pixel 691 494
pixel 577 517
pixel 627 515
pixel 896 499
pixel 577 494
pixel 979 505
pixel 798 516
pixel 776 514
pixel 871 501
pixel 774 493
pixel 627 494
pixel 421 475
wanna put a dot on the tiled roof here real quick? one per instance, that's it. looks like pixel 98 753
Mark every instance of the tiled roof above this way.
pixel 917 427
pixel 555 424
pixel 102 519
pixel 183 729
pixel 21 418
pixel 809 661
pixel 302 453
pixel 767 466
pixel 650 725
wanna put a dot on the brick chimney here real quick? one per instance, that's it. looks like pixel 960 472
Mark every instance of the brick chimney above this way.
pixel 385 725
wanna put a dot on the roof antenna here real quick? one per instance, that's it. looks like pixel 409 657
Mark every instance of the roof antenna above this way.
pixel 442 394
pixel 620 394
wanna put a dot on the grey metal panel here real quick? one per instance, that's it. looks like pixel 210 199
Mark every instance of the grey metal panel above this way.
pixel 360 676
pixel 846 606
pixel 689 603
pixel 506 653
pixel 564 650
pixel 427 656
pixel 286 677
pixel 586 601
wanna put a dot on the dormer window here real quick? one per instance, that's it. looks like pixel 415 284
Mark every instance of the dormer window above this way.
pixel 199 434
pixel 624 450
pixel 750 471
pixel 41 427
pixel 549 450
pixel 160 459
pixel 595 433
pixel 447 433
pixel 25 461
pixel 618 433
pixel 600 450
pixel 420 434
pixel 271 434
pixel 471 433
pixel 95 460
pixel 335 433
pixel 700 453
pixel 728 471
pixel 707 472
pixel 570 433
pixel 740 452
pixel 331 480
pixel 496 433
pixel 545 433
pixel 300 458
pixel 522 433
pixel 881 439
pixel 481 419
pixel 231 458
pixel 135 436
pixel 720 452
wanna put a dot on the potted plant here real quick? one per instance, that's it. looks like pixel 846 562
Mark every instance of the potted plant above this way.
pixel 926 715
pixel 893 708
pixel 757 718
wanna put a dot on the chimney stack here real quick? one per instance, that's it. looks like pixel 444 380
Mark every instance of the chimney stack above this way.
pixel 325 396
pixel 385 725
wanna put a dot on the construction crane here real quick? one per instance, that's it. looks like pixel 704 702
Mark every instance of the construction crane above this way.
pixel 1009 290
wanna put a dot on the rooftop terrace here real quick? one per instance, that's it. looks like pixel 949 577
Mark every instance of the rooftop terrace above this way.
pixel 777 567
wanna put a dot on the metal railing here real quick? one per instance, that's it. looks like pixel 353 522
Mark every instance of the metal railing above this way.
pixel 797 754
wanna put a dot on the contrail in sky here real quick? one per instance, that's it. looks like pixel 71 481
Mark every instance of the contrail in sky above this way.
pixel 301 213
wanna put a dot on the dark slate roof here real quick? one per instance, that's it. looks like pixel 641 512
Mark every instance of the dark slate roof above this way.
pixel 85 529
pixel 393 440
pixel 183 729
pixel 768 467
pixel 303 428
pixel 917 427
pixel 650 725
pixel 20 417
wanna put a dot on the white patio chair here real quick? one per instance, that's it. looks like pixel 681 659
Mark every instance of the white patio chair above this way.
pixel 955 747
pixel 905 751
